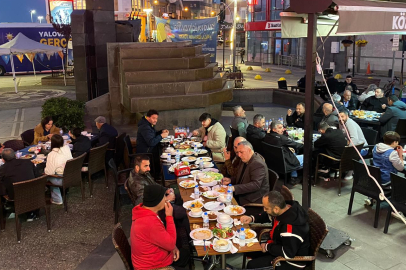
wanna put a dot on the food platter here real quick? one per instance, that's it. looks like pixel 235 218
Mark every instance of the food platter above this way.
pixel 189 159
pixel 205 159
pixel 28 156
pixel 201 234
pixel 37 161
pixel 234 210
pixel 221 189
pixel 210 194
pixel 224 233
pixel 193 204
pixel 214 206
pixel 188 184
pixel 250 234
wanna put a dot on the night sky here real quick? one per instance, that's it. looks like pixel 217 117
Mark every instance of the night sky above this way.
pixel 19 10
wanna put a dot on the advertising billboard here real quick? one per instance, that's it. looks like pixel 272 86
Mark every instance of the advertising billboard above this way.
pixel 60 10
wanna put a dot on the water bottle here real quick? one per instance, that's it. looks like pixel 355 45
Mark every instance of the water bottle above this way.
pixel 242 237
pixel 281 119
pixel 61 132
pixel 18 154
pixel 205 220
pixel 201 166
pixel 266 125
pixel 168 157
pixel 196 151
pixel 229 196
pixel 177 158
pixel 197 192
pixel 187 131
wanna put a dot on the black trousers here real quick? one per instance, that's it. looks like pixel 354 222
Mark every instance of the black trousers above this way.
pixel 260 259
pixel 183 261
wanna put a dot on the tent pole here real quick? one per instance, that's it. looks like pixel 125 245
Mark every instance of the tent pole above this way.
pixel 64 77
pixel 14 73
pixel 33 67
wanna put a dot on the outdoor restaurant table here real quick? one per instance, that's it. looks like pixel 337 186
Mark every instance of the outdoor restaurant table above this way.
pixel 366 122
pixel 185 194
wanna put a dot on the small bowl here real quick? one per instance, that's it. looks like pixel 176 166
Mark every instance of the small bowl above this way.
pixel 221 244
pixel 165 155
pixel 224 219
pixel 196 211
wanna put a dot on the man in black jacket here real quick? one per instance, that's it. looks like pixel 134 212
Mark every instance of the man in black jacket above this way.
pixel 81 144
pixel 256 132
pixel 348 82
pixel 290 148
pixel 289 236
pixel 107 133
pixel 296 119
pixel 376 103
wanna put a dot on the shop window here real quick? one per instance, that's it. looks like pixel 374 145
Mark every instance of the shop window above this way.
pixel 277 6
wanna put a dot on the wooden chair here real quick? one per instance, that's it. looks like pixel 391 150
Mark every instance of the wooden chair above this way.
pixel 72 177
pixel 120 177
pixel 123 248
pixel 28 196
pixel 317 232
pixel 364 185
pixel 27 137
pixel 275 160
pixel 97 163
pixel 344 163
pixel 398 198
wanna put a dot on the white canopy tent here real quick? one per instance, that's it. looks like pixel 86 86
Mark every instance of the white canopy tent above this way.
pixel 23 45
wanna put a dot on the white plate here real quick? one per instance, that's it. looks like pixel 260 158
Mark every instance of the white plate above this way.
pixel 188 204
pixel 169 149
pixel 198 145
pixel 201 229
pixel 214 206
pixel 187 181
pixel 216 194
pixel 210 170
pixel 195 172
pixel 225 250
pixel 205 159
pixel 193 216
pixel 208 213
pixel 211 184
pixel 207 165
pixel 228 225
pixel 228 211
pixel 202 151
pixel 166 161
pixel 234 232
pixel 178 139
pixel 189 159
pixel 252 238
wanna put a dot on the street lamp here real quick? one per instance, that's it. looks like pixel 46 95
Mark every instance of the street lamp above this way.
pixel 40 18
pixel 212 13
pixel 186 9
pixel 32 12
pixel 148 11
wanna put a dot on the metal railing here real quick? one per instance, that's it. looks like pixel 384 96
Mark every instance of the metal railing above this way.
pixel 291 60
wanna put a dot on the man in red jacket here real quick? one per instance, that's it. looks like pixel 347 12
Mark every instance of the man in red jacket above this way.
pixel 153 246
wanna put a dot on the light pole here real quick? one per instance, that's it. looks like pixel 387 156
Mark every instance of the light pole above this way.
pixel 40 18
pixel 32 12
pixel 234 32
pixel 148 11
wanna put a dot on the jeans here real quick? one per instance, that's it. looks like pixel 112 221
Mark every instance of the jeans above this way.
pixel 55 191
pixel 300 158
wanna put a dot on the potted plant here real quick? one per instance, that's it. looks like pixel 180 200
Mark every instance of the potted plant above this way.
pixel 361 43
pixel 347 42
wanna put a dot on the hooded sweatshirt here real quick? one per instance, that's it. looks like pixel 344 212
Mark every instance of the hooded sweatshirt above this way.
pixel 151 243
pixel 289 236
pixel 387 159
pixel 389 119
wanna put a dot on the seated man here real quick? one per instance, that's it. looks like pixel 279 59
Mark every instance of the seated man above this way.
pixel 355 131
pixel 290 148
pixel 230 166
pixel 107 133
pixel 251 182
pixel 14 171
pixel 296 119
pixel 376 103
pixel 348 82
pixel 388 156
pixel 329 118
pixel 256 132
pixel 153 245
pixel 289 236
pixel 81 144
pixel 239 123
pixel 349 102
pixel 213 136
pixel 396 110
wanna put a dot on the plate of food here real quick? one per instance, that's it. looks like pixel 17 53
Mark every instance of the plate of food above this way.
pixel 202 151
pixel 208 164
pixel 216 176
pixel 37 161
pixel 221 245
pixel 205 178
pixel 211 170
pixel 182 146
pixel 250 234
pixel 221 189
pixel 201 234
pixel 211 214
pixel 194 167
pixel 214 206
pixel 210 194
pixel 204 159
pixel 197 144
pixel 196 139
pixel 194 172
pixel 189 159
pixel 193 204
pixel 32 149
pixel 189 153
pixel 28 156
pixel 226 233
pixel 234 210
pixel 210 184
pixel 188 184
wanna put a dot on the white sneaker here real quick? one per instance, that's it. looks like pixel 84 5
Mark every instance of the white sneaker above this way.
pixel 396 216
pixel 349 176
pixel 324 171
pixel 58 203
pixel 368 201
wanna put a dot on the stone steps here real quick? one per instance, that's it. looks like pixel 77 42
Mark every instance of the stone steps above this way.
pixel 174 50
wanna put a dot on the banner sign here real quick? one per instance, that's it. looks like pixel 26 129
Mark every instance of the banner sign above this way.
pixel 61 10
pixel 201 31
pixel 228 26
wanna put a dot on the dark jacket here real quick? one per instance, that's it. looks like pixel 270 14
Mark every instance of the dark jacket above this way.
pixel 14 171
pixel 333 142
pixel 289 236
pixel 331 120
pixel 107 134
pixel 295 121
pixel 390 118
pixel 255 136
pixel 291 161
pixel 137 182
pixel 374 104
pixel 352 103
pixel 252 184
pixel 81 145
pixel 147 137
pixel 332 84
pixel 353 86
pixel 240 124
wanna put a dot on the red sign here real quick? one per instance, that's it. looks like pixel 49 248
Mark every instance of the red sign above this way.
pixel 252 2
pixel 263 26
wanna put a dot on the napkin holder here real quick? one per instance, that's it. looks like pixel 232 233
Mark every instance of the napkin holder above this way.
pixel 180 135
pixel 182 171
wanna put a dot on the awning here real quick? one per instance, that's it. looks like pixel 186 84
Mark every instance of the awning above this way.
pixel 356 17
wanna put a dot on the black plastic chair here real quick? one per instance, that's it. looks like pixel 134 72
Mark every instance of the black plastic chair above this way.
pixel 275 160
pixel 119 150
pixel 398 198
pixel 401 130
pixel 234 133
pixel 365 185
pixel 371 136
pixel 27 137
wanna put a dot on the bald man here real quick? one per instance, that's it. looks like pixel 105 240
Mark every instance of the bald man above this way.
pixel 349 102
pixel 329 117
pixel 232 160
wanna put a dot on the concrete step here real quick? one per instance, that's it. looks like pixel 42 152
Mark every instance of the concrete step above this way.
pixel 169 51
pixel 175 88
pixel 192 62
pixel 166 76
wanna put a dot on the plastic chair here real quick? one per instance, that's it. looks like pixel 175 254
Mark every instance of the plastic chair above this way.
pixel 371 136
pixel 398 198
pixel 401 130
